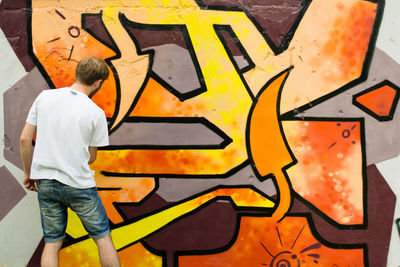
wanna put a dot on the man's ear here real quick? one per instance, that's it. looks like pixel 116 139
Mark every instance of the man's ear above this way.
pixel 97 83
pixel 95 87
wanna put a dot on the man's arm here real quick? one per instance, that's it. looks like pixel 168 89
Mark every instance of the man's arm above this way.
pixel 93 154
pixel 26 150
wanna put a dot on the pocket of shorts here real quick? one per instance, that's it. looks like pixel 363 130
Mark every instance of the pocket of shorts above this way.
pixel 44 184
pixel 79 197
pixel 45 190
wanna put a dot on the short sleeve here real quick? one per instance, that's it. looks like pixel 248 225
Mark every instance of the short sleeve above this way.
pixel 32 115
pixel 100 133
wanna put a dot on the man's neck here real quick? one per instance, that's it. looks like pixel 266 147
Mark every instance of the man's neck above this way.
pixel 77 86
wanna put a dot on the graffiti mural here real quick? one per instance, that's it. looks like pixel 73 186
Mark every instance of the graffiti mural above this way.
pixel 242 133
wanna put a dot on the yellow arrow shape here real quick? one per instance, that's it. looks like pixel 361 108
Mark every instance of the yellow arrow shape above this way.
pixel 133 232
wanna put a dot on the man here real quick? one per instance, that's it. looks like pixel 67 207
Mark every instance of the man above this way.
pixel 69 127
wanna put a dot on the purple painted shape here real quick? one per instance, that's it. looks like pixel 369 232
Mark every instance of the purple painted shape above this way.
pixel 17 102
pixel 11 192
pixel 93 24
pixel 381 203
pixel 131 211
pixel 150 37
pixel 13 22
pixel 147 133
pixel 171 62
pixel 212 227
pixel 233 48
pixel 275 17
pixel 175 66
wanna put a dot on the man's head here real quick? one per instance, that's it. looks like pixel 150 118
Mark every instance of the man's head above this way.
pixel 91 72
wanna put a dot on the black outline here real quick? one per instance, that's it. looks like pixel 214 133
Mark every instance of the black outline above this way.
pixel 115 48
pixel 30 45
pixel 138 203
pixel 218 28
pixel 60 14
pixel 277 109
pixel 53 40
pixel 109 188
pixel 177 120
pixel 285 41
pixel 370 112
pixel 279 235
pixel 263 211
pixel 70 53
pixel 267 249
pixel 160 253
pixel 364 72
pixel 178 176
pixel 74 27
pixel 186 37
pixel 294 160
pixel 295 241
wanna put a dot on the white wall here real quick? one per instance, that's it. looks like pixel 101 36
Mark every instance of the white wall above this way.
pixel 20 230
pixel 389 41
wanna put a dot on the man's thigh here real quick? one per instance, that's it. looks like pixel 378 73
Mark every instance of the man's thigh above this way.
pixel 53 212
pixel 87 204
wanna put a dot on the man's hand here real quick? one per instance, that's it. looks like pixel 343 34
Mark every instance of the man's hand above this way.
pixel 29 183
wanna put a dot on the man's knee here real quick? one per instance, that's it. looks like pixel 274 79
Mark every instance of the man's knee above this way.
pixel 105 242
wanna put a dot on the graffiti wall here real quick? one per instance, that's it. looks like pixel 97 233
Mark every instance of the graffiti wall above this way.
pixel 242 133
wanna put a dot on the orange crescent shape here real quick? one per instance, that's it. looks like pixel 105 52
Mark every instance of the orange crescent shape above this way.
pixel 266 143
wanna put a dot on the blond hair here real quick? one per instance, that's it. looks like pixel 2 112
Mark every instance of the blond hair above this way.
pixel 90 70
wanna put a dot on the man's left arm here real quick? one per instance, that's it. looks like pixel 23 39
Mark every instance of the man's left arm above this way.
pixel 26 150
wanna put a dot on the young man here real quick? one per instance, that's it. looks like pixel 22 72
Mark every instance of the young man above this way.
pixel 69 127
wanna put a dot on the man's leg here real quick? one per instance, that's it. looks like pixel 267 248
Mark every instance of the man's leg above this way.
pixel 50 254
pixel 108 254
pixel 54 221
pixel 87 204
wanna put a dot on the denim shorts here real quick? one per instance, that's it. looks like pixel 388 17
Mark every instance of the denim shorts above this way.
pixel 54 199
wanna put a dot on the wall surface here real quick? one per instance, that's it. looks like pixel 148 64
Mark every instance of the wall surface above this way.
pixel 242 133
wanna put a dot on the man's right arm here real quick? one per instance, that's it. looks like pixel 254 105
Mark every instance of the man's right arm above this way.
pixel 99 137
pixel 93 154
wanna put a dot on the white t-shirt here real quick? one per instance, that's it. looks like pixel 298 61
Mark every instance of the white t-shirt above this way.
pixel 68 122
